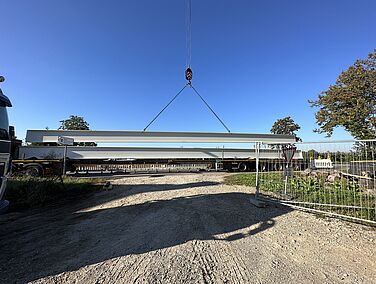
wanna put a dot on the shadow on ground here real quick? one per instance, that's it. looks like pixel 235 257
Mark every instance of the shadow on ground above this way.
pixel 52 241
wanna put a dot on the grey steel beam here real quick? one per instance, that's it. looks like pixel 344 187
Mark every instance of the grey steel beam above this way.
pixel 98 136
pixel 56 152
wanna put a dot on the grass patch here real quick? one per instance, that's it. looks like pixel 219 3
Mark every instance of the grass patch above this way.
pixel 29 192
pixel 241 179
pixel 344 192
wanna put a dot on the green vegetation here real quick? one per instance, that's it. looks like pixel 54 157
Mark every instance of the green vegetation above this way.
pixel 351 101
pixel 75 122
pixel 314 189
pixel 285 126
pixel 29 192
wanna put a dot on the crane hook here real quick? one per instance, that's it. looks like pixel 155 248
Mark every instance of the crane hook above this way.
pixel 188 75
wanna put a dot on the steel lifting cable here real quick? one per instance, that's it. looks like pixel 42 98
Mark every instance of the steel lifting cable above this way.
pixel 202 99
pixel 188 23
pixel 188 71
pixel 165 107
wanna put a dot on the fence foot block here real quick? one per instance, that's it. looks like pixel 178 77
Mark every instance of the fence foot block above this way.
pixel 258 203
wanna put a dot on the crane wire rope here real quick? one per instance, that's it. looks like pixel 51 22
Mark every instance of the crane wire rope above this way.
pixel 213 112
pixel 165 107
pixel 188 71
pixel 188 23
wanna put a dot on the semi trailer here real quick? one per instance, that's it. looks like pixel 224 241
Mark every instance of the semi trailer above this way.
pixel 42 160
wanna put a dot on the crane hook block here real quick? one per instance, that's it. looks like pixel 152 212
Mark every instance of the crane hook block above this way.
pixel 188 74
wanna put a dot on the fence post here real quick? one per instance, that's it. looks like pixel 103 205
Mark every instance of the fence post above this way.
pixel 257 152
pixel 65 160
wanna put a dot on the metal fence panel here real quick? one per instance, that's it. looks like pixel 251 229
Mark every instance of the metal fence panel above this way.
pixel 337 178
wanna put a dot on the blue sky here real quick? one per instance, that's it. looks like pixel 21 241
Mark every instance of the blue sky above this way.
pixel 116 63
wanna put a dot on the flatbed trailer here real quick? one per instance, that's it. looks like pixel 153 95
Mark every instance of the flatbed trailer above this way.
pixel 45 160
pixel 40 160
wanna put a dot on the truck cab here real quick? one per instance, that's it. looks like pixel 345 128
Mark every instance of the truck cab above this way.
pixel 5 147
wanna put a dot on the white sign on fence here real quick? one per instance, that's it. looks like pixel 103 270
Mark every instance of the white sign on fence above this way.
pixel 61 140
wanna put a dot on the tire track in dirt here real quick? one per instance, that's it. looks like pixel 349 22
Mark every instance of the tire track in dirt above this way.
pixel 186 229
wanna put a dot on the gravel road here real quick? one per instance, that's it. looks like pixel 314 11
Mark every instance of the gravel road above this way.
pixel 181 229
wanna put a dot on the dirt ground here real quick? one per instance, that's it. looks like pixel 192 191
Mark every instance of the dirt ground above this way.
pixel 181 229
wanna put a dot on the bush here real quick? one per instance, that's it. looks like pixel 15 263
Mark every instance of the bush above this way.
pixel 31 192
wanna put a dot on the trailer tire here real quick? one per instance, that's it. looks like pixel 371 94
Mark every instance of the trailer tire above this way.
pixel 33 171
pixel 243 167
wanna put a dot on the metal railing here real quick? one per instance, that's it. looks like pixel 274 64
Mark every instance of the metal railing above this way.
pixel 336 178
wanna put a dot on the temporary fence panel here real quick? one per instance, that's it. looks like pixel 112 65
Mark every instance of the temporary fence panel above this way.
pixel 337 178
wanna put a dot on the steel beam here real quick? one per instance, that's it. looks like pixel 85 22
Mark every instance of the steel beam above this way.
pixel 49 136
pixel 57 152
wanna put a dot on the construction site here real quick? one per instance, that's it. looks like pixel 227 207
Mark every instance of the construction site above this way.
pixel 144 206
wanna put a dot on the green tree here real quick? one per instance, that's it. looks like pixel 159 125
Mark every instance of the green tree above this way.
pixel 75 122
pixel 286 126
pixel 351 101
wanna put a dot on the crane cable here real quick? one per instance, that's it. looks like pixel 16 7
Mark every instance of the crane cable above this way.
pixel 165 107
pixel 213 112
pixel 188 71
pixel 188 22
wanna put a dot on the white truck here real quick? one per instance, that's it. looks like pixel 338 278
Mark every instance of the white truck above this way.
pixel 5 147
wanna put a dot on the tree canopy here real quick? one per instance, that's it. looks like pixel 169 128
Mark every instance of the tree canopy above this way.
pixel 74 122
pixel 286 126
pixel 350 102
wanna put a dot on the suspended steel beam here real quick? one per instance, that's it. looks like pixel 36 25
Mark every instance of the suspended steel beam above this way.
pixel 76 152
pixel 99 136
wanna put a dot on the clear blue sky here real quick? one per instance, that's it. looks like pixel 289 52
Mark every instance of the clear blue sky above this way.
pixel 116 63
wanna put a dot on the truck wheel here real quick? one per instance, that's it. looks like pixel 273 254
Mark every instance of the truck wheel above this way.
pixel 243 167
pixel 33 171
